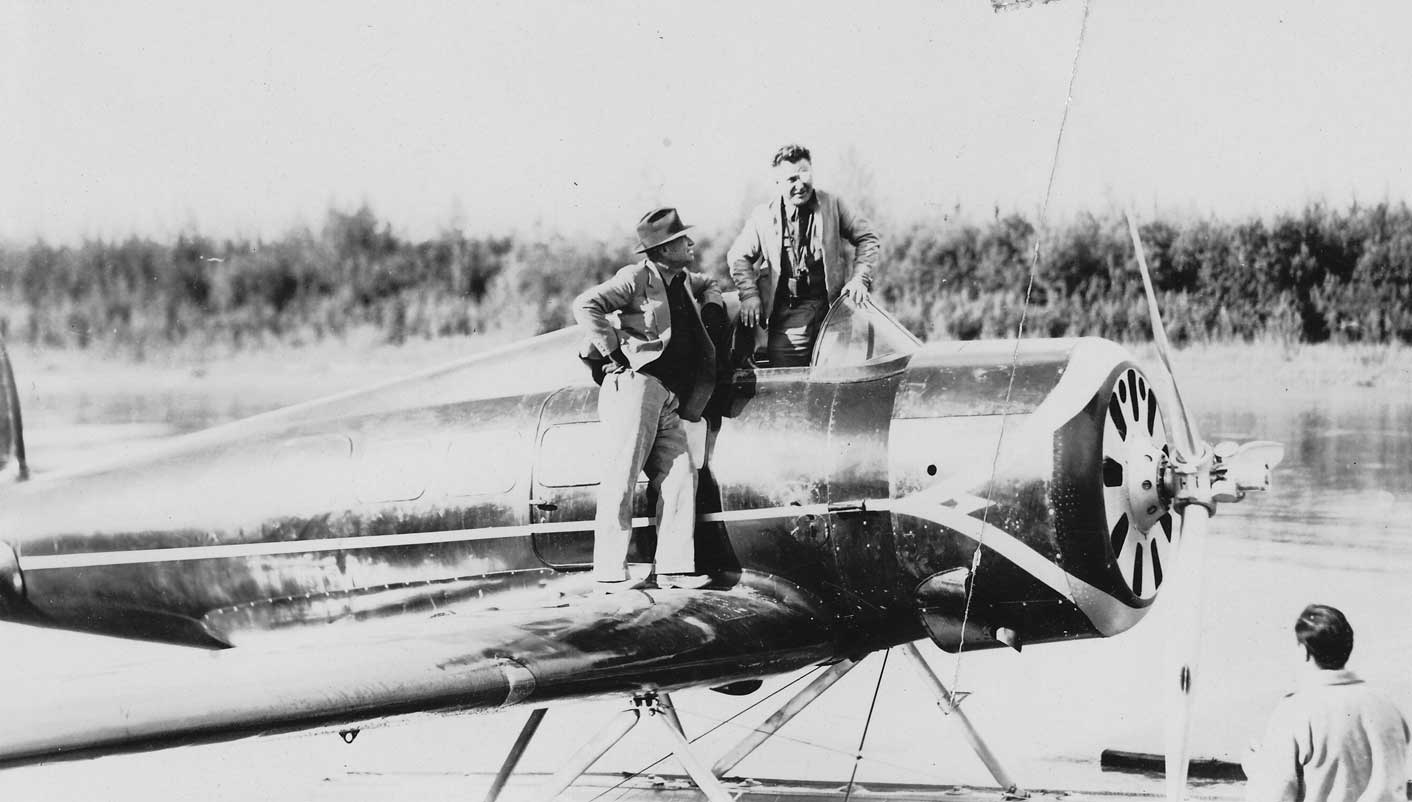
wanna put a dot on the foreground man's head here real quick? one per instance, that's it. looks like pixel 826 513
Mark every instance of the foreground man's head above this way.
pixel 1325 634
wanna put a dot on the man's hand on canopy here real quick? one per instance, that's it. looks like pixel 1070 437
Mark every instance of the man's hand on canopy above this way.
pixel 856 291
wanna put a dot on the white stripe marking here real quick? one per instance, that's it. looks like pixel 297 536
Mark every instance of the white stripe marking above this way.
pixel 230 550
pixel 1001 542
pixel 236 550
pixel 791 511
pixel 1107 613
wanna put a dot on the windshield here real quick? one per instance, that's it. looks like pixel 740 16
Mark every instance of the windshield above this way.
pixel 860 335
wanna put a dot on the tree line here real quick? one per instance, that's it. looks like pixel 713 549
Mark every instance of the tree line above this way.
pixel 1311 276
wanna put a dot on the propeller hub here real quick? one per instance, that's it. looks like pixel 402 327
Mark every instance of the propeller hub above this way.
pixel 1143 479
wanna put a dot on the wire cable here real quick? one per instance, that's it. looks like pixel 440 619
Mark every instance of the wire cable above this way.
pixel 1015 354
pixel 858 758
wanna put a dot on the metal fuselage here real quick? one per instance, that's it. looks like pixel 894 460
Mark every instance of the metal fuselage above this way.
pixel 863 489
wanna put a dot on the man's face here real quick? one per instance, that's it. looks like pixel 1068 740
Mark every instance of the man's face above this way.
pixel 679 253
pixel 796 181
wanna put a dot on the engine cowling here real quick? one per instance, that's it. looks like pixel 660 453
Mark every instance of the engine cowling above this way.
pixel 1046 460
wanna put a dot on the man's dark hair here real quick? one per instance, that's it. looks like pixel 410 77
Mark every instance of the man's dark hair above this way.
pixel 790 153
pixel 1325 634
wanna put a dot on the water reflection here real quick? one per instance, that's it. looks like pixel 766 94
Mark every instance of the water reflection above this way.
pixel 1345 480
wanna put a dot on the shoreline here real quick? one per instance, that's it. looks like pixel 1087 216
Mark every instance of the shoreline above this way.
pixel 277 376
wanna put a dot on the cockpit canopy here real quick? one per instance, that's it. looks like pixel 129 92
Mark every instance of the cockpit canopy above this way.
pixel 854 335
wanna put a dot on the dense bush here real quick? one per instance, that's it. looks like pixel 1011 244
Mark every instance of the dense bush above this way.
pixel 1311 276
pixel 1308 277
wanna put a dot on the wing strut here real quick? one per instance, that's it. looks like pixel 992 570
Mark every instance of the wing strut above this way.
pixel 517 751
pixel 657 706
pixel 787 711
pixel 950 704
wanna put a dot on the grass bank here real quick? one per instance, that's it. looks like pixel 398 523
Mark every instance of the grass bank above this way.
pixel 1288 370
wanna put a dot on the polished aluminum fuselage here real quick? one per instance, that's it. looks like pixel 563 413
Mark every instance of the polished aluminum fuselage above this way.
pixel 474 484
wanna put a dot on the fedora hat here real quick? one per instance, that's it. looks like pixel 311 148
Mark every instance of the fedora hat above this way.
pixel 659 226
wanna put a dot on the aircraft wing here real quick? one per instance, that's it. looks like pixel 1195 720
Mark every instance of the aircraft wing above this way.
pixel 367 674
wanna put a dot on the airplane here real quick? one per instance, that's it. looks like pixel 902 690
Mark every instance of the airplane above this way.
pixel 977 494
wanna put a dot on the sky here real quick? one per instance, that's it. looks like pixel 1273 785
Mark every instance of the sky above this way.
pixel 252 118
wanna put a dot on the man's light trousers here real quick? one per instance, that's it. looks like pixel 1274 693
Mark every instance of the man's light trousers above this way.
pixel 642 432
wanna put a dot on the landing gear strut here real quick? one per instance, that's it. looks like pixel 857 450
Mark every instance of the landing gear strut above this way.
pixel 774 723
pixel 656 706
pixel 949 703
pixel 516 752
pixel 951 706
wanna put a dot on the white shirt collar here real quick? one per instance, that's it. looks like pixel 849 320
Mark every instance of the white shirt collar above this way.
pixel 1328 676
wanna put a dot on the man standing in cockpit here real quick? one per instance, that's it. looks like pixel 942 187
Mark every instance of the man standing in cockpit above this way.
pixel 788 261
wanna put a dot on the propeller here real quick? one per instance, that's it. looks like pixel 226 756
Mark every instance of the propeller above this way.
pixel 1196 477
pixel 1187 429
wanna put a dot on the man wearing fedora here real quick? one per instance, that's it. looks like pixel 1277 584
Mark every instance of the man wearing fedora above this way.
pixel 788 260
pixel 659 368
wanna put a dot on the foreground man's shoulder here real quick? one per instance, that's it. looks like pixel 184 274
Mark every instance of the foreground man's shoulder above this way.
pixel 634 272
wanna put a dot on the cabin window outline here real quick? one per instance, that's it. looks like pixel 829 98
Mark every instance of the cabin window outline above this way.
pixel 582 443
pixel 388 471
pixel 494 458
pixel 570 454
pixel 315 468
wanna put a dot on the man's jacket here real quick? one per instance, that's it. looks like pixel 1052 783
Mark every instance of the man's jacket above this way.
pixel 1334 739
pixel 638 293
pixel 754 257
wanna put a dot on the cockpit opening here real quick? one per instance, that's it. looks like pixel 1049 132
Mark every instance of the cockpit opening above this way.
pixel 851 335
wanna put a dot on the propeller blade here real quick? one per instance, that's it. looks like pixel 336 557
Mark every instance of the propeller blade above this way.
pixel 1183 649
pixel 1187 435
pixel 1194 459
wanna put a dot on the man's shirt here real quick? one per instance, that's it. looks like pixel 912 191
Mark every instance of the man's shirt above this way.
pixel 1333 739
pixel 802 266
pixel 675 368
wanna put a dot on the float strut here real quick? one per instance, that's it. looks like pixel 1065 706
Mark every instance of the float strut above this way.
pixel 669 710
pixel 952 707
pixel 618 726
pixel 588 754
pixel 774 723
pixel 695 768
pixel 516 752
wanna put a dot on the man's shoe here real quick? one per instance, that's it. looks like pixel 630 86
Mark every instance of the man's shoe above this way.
pixel 684 581
pixel 619 585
